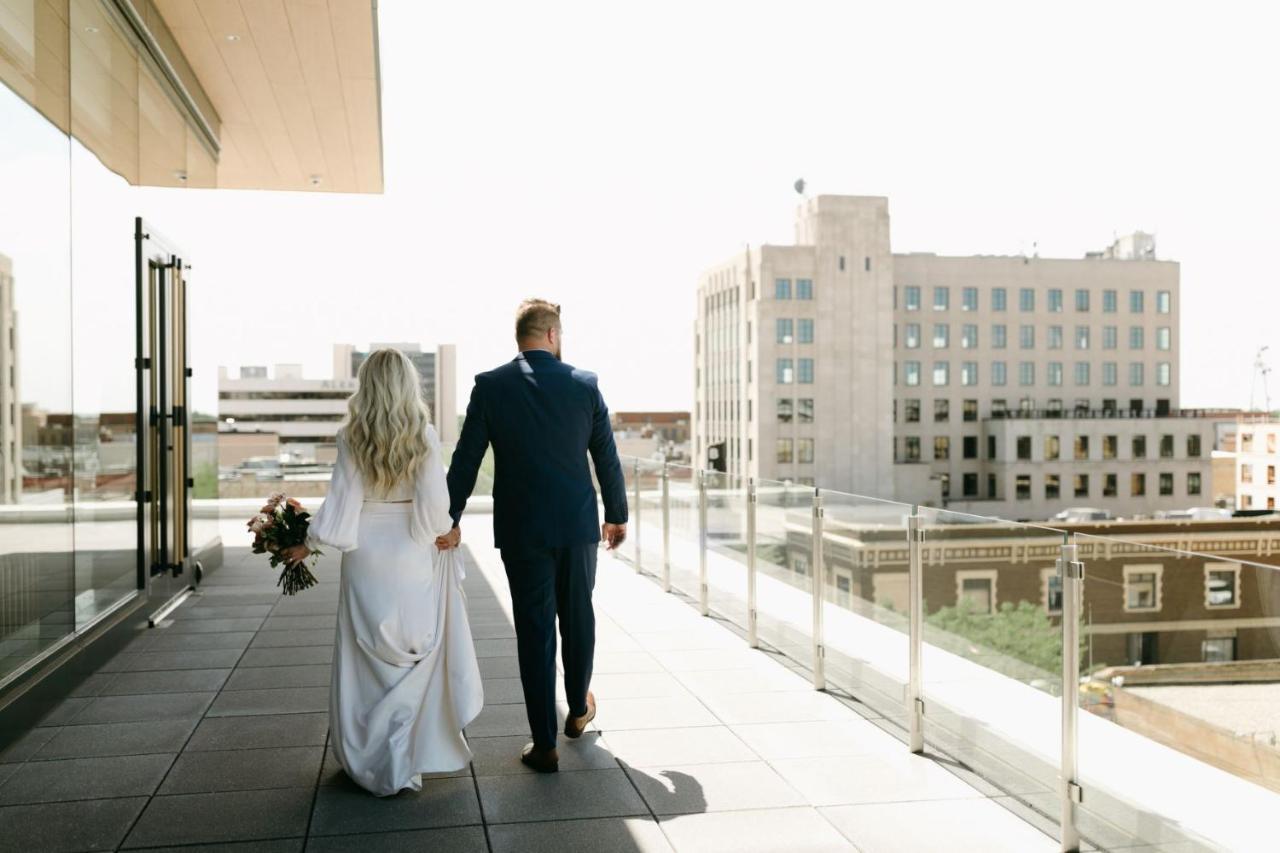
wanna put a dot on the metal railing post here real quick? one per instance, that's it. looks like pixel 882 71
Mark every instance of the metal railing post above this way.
pixel 666 527
pixel 753 628
pixel 818 595
pixel 636 539
pixel 1071 571
pixel 915 594
pixel 704 606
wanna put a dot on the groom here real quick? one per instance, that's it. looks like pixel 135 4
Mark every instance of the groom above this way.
pixel 543 417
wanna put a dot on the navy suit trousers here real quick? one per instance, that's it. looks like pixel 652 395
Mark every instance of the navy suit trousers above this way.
pixel 547 583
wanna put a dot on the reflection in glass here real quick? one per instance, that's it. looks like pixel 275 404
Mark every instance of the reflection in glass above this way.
pixel 36 580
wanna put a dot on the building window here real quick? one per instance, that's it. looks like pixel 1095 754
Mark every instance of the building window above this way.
pixel 1024 448
pixel 1082 337
pixel 1222 586
pixel 1055 300
pixel 1026 299
pixel 1022 487
pixel 969 484
pixel 912 336
pixel 805 372
pixel 1082 374
pixel 999 373
pixel 1164 373
pixel 1164 301
pixel 969 445
pixel 1110 337
pixel 969 373
pixel 804 331
pixel 804 288
pixel 1110 373
pixel 976 590
pixel 1163 338
pixel 1055 373
pixel 1271 475
pixel 1246 473
pixel 1110 485
pixel 941 298
pixel 782 288
pixel 1082 447
pixel 1246 442
pixel 1052 487
pixel 1218 649
pixel 784 410
pixel 1051 590
pixel 1027 373
pixel 1027 337
pixel 1193 482
pixel 968 336
pixel 991 447
pixel 804 451
pixel 1135 301
pixel 911 411
pixel 911 298
pixel 941 411
pixel 1082 300
pixel 1137 485
pixel 991 486
pixel 786 371
pixel 999 336
pixel 912 448
pixel 1109 301
pixel 1139 447
pixel 1055 337
pixel 969 299
pixel 804 411
pixel 1166 447
pixel 1142 588
pixel 1052 447
pixel 941 448
pixel 941 373
pixel 786 332
pixel 1166 483
pixel 999 299
pixel 784 451
pixel 1136 341
pixel 911 373
pixel 1193 446
pixel 1135 373
pixel 941 335
pixel 1080 487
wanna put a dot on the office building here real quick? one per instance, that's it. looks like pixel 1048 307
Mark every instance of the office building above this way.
pixel 994 385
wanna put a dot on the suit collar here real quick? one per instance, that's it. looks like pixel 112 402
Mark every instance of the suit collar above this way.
pixel 536 355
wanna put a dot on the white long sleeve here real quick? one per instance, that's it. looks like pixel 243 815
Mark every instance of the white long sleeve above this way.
pixel 431 495
pixel 337 522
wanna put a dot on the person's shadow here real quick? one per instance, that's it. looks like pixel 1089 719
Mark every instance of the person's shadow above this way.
pixel 670 792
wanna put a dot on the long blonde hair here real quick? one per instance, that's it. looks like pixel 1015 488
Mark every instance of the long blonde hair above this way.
pixel 386 427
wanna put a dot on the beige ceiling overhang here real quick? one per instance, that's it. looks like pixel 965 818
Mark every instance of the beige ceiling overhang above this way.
pixel 241 94
pixel 295 86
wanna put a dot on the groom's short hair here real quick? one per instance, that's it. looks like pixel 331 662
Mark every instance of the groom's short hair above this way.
pixel 536 317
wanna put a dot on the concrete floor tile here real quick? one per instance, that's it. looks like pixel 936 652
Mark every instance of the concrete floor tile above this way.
pixel 926 827
pixel 692 789
pixel 558 796
pixel 794 830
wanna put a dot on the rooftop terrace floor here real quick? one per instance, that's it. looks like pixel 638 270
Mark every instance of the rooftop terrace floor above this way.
pixel 212 728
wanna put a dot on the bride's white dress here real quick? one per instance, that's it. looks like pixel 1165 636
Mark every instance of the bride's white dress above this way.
pixel 405 677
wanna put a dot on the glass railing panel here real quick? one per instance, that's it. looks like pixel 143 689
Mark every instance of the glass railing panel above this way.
pixel 646 526
pixel 864 557
pixel 1179 667
pixel 992 658
pixel 727 546
pixel 784 568
pixel 682 486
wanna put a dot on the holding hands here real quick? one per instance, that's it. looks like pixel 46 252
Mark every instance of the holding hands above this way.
pixel 450 540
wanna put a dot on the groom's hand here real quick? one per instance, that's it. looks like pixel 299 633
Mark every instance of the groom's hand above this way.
pixel 449 540
pixel 613 535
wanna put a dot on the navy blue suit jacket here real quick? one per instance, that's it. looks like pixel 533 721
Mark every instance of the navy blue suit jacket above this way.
pixel 543 417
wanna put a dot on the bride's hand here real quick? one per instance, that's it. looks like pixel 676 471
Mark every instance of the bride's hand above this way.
pixel 450 540
pixel 296 554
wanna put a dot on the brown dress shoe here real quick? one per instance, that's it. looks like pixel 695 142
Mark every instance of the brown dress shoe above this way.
pixel 575 726
pixel 541 760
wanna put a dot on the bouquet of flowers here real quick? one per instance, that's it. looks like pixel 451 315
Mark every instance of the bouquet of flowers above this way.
pixel 277 527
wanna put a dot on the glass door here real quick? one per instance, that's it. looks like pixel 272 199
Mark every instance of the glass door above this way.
pixel 165 568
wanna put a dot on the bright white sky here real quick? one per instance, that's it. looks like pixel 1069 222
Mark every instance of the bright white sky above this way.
pixel 601 155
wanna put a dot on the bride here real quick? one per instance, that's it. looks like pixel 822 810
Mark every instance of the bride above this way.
pixel 405 678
